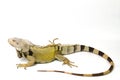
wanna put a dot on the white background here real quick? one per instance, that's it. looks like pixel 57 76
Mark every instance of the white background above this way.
pixel 91 22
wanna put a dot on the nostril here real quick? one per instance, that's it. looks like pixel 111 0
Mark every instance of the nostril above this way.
pixel 13 40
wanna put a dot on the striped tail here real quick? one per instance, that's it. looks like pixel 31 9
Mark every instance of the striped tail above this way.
pixel 67 49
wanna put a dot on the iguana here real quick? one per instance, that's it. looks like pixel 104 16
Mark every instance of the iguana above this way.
pixel 45 54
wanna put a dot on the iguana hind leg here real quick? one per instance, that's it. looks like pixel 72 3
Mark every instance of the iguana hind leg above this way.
pixel 64 60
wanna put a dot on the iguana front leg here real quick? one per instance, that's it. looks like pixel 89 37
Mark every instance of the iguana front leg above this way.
pixel 31 61
pixel 64 60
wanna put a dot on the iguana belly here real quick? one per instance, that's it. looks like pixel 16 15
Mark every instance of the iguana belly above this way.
pixel 43 55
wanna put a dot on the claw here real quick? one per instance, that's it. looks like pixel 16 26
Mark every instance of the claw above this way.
pixel 71 65
pixel 21 65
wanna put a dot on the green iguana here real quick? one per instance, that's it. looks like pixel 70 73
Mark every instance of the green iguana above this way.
pixel 45 54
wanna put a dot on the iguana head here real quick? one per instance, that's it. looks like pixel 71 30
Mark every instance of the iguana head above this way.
pixel 20 44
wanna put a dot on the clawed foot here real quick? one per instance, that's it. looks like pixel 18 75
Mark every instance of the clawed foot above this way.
pixel 53 41
pixel 69 63
pixel 22 65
